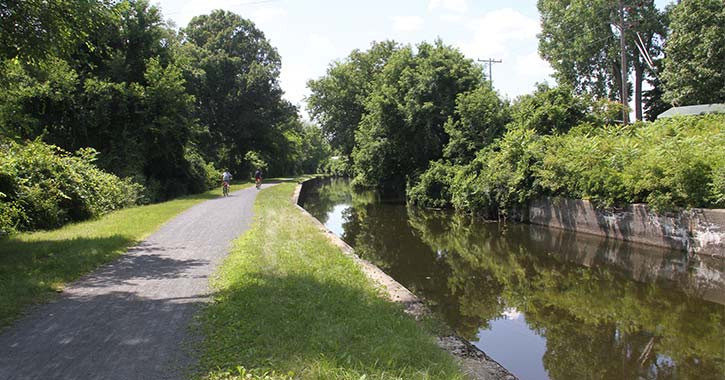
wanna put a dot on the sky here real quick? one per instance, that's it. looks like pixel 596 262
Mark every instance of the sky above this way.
pixel 312 34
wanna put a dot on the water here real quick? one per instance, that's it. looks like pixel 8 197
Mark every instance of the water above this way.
pixel 545 303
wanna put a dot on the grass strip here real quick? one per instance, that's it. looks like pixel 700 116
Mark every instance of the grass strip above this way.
pixel 34 266
pixel 289 304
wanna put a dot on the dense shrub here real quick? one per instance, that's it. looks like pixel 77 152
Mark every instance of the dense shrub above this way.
pixel 480 117
pixel 42 186
pixel 554 110
pixel 433 188
pixel 203 175
pixel 501 175
pixel 669 164
pixel 677 162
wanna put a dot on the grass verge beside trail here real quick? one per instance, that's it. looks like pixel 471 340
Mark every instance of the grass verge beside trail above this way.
pixel 289 304
pixel 33 266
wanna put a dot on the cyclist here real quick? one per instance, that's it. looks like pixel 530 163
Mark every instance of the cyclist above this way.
pixel 258 177
pixel 226 178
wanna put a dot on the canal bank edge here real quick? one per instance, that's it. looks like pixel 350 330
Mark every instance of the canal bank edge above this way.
pixel 698 231
pixel 474 362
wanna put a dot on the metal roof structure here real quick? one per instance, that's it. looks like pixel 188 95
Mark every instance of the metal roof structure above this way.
pixel 699 109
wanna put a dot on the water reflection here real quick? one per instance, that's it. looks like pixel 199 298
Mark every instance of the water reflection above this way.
pixel 545 303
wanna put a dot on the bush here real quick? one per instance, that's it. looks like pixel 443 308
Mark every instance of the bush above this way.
pixel 253 161
pixel 42 186
pixel 202 175
pixel 500 178
pixel 433 187
pixel 671 163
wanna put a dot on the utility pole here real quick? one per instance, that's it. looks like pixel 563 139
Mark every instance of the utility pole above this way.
pixel 490 63
pixel 623 69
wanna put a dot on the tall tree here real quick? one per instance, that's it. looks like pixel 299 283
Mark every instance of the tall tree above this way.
pixel 403 127
pixel 32 30
pixel 235 80
pixel 337 100
pixel 580 39
pixel 694 71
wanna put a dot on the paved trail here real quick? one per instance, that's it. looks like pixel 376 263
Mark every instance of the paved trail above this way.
pixel 130 319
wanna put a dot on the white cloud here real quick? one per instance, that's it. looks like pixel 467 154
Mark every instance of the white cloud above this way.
pixel 510 36
pixel 451 18
pixel 499 32
pixel 531 65
pixel 321 45
pixel 407 24
pixel 449 5
pixel 529 69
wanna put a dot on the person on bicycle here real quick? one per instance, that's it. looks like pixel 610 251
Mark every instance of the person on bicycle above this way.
pixel 226 178
pixel 258 177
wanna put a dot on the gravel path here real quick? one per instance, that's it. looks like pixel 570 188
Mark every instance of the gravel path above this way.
pixel 130 319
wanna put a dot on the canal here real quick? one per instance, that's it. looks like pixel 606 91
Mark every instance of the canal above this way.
pixel 545 303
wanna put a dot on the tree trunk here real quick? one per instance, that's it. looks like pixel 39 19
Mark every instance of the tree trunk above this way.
pixel 638 78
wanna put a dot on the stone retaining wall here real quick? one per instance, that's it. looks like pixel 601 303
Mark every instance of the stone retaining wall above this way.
pixel 700 231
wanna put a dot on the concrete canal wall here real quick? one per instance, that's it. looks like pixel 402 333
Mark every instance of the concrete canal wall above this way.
pixel 700 231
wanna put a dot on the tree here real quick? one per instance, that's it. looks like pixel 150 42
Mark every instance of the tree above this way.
pixel 234 76
pixel 481 116
pixel 694 71
pixel 580 39
pixel 337 100
pixel 413 97
pixel 577 40
pixel 550 110
pixel 32 30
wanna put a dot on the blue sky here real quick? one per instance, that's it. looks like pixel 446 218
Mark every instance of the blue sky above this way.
pixel 310 34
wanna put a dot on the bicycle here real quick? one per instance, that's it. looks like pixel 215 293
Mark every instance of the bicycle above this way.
pixel 259 183
pixel 225 189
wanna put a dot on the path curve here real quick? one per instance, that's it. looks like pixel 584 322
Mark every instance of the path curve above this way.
pixel 130 319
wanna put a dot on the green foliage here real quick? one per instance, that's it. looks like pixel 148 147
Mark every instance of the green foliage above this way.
pixel 159 106
pixel 314 149
pixel 694 70
pixel 337 100
pixel 573 40
pixel 34 29
pixel 433 188
pixel 203 175
pixel 233 73
pixel 671 163
pixel 580 40
pixel 254 161
pixel 550 110
pixel 413 97
pixel 44 187
pixel 500 177
pixel 480 117
pixel 337 165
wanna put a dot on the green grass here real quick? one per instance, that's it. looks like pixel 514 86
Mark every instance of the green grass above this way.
pixel 34 266
pixel 289 304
